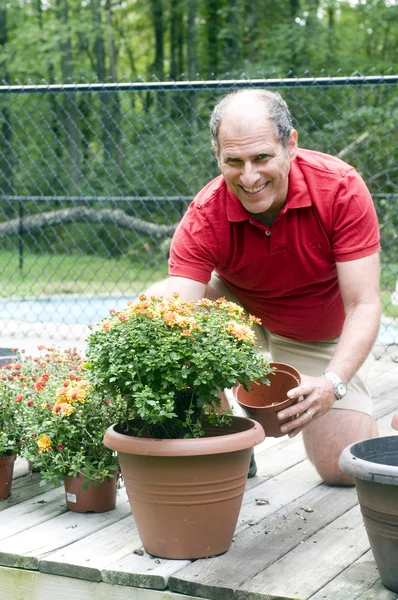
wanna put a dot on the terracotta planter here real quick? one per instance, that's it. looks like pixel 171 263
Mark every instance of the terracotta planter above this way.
pixel 262 401
pixel 186 494
pixel 33 469
pixel 6 473
pixel 374 465
pixel 96 498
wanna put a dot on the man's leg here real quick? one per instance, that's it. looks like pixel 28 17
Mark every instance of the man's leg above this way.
pixel 349 421
pixel 326 437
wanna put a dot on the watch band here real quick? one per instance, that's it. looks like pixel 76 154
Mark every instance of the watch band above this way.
pixel 339 386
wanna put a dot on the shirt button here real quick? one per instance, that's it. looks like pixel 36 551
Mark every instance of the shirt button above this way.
pixel 267 232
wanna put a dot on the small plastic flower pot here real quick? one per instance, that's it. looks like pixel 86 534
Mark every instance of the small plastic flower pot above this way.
pixel 374 465
pixel 262 402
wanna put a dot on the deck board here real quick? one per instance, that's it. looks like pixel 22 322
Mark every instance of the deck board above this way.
pixel 296 538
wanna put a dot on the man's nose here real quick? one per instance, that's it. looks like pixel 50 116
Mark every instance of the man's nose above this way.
pixel 249 175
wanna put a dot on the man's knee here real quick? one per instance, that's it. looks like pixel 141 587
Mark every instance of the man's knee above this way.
pixel 325 439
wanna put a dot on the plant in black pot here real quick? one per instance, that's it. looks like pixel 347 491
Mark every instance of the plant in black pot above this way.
pixel 373 463
pixel 169 359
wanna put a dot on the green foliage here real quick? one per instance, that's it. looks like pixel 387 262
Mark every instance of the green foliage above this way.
pixel 169 359
pixel 12 410
pixel 64 421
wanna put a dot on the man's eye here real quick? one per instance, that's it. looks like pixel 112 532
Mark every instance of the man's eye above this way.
pixel 261 157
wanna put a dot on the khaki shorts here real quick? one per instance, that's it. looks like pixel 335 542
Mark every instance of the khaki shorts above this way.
pixel 309 358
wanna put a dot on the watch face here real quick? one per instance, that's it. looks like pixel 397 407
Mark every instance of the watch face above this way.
pixel 341 389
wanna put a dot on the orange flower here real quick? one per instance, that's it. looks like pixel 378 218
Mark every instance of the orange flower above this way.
pixel 241 332
pixel 66 409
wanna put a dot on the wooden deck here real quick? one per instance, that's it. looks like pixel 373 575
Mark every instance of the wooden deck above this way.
pixel 296 538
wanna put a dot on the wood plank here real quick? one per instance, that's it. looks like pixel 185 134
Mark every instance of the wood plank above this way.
pixel 287 453
pixel 276 458
pixel 25 549
pixel 32 512
pixel 142 571
pixel 312 564
pixel 24 488
pixel 85 558
pixel 16 584
pixel 360 580
pixel 263 544
pixel 277 492
pixel 114 555
pixel 384 393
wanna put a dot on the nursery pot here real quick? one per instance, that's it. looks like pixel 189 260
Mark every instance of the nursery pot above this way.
pixel 262 402
pixel 91 498
pixel 6 473
pixel 186 494
pixel 374 465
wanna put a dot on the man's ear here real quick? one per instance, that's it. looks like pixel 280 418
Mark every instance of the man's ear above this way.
pixel 292 144
pixel 217 153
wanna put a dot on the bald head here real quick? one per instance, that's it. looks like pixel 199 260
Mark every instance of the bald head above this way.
pixel 253 102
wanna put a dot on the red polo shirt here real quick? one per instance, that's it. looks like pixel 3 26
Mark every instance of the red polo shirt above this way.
pixel 285 274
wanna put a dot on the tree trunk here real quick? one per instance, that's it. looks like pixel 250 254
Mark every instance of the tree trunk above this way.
pixel 192 58
pixel 100 69
pixel 114 98
pixel 212 19
pixel 176 39
pixel 252 19
pixel 231 51
pixel 70 116
pixel 6 155
pixel 157 66
pixel 294 7
pixel 86 215
pixel 157 19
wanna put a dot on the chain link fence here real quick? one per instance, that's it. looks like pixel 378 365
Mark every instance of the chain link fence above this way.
pixel 95 177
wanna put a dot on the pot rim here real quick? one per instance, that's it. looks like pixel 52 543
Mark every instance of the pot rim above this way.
pixel 220 444
pixel 368 470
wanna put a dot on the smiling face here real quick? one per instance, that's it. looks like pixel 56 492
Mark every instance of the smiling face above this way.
pixel 254 163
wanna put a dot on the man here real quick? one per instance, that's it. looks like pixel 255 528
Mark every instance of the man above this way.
pixel 292 235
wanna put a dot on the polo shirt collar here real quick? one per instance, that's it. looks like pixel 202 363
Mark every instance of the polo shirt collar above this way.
pixel 298 196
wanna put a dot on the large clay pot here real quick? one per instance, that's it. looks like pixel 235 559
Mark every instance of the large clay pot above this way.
pixel 6 473
pixel 374 465
pixel 262 402
pixel 186 494
pixel 90 498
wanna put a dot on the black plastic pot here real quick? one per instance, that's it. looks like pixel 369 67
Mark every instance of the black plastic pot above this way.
pixel 374 465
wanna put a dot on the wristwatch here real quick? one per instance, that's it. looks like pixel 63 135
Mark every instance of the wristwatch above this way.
pixel 339 386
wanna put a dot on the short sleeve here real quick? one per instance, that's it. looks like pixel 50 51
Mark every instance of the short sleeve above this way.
pixel 355 225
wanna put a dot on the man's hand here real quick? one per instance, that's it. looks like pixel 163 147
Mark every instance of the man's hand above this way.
pixel 317 397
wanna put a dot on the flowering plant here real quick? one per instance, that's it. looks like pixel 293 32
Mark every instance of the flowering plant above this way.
pixel 11 410
pixel 64 420
pixel 169 359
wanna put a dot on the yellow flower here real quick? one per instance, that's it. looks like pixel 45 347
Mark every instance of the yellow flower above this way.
pixel 78 392
pixel 44 443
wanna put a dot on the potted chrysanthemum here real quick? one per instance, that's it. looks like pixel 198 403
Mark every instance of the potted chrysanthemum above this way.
pixel 169 360
pixel 11 424
pixel 63 429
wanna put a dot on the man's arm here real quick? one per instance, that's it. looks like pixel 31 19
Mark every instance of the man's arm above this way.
pixel 359 282
pixel 360 290
pixel 188 289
